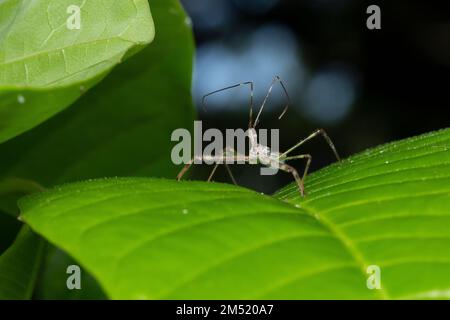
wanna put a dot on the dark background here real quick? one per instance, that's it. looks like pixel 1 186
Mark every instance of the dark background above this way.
pixel 365 87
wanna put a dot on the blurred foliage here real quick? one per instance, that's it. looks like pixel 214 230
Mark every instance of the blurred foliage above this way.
pixel 20 265
pixel 40 66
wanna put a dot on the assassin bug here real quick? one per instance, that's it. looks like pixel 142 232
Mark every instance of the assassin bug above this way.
pixel 261 153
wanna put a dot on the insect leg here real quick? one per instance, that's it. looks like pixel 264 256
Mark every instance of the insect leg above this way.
pixel 212 172
pixel 228 170
pixel 229 154
pixel 308 162
pixel 185 168
pixel 288 168
pixel 230 174
pixel 311 136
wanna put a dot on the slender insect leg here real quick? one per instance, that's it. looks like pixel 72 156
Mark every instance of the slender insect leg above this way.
pixel 250 83
pixel 288 168
pixel 212 172
pixel 308 162
pixel 230 173
pixel 228 170
pixel 185 168
pixel 311 136
pixel 274 81
pixel 224 151
pixel 228 152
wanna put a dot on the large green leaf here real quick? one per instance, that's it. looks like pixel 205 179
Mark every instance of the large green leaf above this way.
pixel 45 66
pixel 122 127
pixel 155 238
pixel 19 265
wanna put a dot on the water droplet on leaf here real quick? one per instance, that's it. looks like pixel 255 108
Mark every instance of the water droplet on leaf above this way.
pixel 21 99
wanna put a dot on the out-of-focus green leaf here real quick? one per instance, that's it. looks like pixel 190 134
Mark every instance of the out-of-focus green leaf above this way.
pixel 9 227
pixel 19 265
pixel 52 280
pixel 13 189
pixel 45 65
pixel 122 127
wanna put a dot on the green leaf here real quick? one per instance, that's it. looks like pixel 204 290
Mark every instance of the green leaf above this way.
pixel 13 189
pixel 9 227
pixel 45 66
pixel 390 207
pixel 19 265
pixel 52 281
pixel 122 127
pixel 151 238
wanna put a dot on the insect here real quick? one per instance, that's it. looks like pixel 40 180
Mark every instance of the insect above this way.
pixel 261 153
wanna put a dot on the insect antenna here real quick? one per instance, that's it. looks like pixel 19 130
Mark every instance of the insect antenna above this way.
pixel 249 83
pixel 288 99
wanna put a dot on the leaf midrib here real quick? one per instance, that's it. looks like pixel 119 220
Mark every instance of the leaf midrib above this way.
pixel 54 83
pixel 21 59
pixel 352 249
